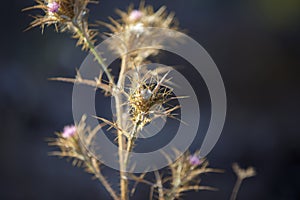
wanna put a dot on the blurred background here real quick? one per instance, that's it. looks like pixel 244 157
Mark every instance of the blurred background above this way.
pixel 255 44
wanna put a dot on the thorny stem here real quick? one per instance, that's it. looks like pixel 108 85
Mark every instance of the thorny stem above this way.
pixel 236 188
pixel 104 182
pixel 98 174
pixel 173 192
pixel 93 50
pixel 121 139
pixel 118 102
pixel 159 186
pixel 89 162
pixel 92 83
pixel 130 143
pixel 123 177
pixel 142 180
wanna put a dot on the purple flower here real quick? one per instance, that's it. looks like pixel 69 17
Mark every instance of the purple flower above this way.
pixel 135 15
pixel 194 160
pixel 53 7
pixel 69 131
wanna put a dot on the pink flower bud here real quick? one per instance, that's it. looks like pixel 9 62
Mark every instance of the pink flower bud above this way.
pixel 135 15
pixel 194 160
pixel 53 7
pixel 69 131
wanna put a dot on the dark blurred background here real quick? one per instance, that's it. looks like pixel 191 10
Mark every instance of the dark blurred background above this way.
pixel 255 44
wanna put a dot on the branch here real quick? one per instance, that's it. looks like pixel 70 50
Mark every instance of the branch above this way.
pixel 96 84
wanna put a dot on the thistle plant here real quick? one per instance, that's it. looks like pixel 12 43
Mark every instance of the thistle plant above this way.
pixel 147 96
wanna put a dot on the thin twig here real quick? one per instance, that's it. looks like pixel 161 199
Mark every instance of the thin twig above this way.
pixel 105 183
pixel 241 175
pixel 236 189
pixel 92 83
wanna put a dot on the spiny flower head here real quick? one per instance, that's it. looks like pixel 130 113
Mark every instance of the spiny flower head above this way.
pixel 147 16
pixel 59 12
pixel 65 15
pixel 70 141
pixel 187 163
pixel 148 98
pixel 186 176
pixel 133 31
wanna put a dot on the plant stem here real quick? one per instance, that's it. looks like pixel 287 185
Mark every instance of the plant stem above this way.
pixel 172 194
pixel 97 172
pixel 236 188
pixel 104 182
pixel 123 179
pixel 93 50
pixel 130 143
pixel 121 139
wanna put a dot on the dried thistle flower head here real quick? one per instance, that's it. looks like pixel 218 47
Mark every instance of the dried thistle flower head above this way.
pixel 147 17
pixel 73 140
pixel 133 32
pixel 69 144
pixel 146 99
pixel 65 15
pixel 59 12
pixel 185 175
pixel 185 167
